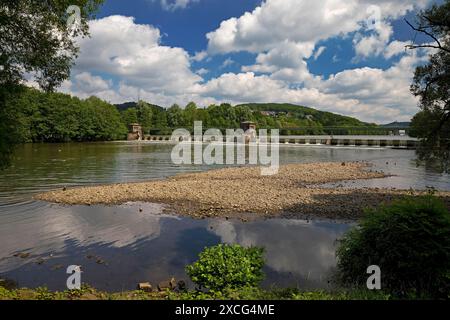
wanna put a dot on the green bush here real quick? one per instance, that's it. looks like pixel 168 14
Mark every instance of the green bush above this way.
pixel 227 266
pixel 409 240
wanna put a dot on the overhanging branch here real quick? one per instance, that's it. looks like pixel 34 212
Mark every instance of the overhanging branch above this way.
pixel 424 31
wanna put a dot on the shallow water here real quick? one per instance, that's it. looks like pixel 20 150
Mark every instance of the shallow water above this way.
pixel 119 246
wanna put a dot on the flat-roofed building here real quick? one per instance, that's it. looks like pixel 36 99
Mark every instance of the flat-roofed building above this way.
pixel 135 132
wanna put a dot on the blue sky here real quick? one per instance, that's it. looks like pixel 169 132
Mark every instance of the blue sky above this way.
pixel 343 56
pixel 187 28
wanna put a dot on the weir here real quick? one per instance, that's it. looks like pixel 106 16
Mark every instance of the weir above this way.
pixel 403 142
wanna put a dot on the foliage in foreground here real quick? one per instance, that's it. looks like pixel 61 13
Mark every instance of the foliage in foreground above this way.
pixel 247 293
pixel 432 85
pixel 253 293
pixel 227 266
pixel 409 240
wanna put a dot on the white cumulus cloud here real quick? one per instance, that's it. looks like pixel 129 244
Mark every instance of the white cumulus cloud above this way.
pixel 300 21
pixel 121 48
pixel 172 5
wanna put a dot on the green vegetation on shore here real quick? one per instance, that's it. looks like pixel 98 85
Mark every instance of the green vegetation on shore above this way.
pixel 248 293
pixel 56 117
pixel 227 267
pixel 409 240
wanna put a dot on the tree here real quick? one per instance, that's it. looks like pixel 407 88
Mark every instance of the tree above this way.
pixel 160 122
pixel 57 117
pixel 144 115
pixel 432 85
pixel 434 23
pixel 175 116
pixel 9 134
pixel 190 114
pixel 108 124
pixel 130 116
pixel 35 38
pixel 243 114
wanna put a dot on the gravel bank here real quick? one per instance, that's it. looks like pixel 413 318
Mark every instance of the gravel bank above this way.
pixel 243 192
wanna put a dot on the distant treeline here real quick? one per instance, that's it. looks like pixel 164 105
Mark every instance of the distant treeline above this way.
pixel 57 117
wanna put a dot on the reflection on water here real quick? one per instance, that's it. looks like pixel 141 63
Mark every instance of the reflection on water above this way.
pixel 298 252
pixel 119 246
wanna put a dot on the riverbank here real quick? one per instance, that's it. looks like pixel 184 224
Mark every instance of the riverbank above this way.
pixel 89 293
pixel 243 193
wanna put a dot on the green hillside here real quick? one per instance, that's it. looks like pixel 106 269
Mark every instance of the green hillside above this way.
pixel 326 119
pixel 127 105
pixel 295 119
pixel 289 118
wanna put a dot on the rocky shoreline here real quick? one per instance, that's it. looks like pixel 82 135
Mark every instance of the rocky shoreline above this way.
pixel 243 193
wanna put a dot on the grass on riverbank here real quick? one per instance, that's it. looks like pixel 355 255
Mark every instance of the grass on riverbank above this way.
pixel 89 293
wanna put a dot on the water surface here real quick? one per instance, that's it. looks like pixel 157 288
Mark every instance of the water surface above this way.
pixel 119 246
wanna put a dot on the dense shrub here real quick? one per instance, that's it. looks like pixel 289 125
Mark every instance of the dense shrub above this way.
pixel 409 240
pixel 227 266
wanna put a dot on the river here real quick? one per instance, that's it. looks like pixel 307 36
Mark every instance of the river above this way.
pixel 120 246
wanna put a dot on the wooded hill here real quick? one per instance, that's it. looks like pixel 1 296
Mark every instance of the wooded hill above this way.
pixel 289 118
